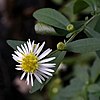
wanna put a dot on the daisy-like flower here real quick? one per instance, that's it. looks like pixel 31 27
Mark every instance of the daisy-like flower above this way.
pixel 32 63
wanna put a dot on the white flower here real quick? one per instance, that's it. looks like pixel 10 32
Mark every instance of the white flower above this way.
pixel 31 62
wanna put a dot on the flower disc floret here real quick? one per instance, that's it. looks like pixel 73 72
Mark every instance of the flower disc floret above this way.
pixel 30 63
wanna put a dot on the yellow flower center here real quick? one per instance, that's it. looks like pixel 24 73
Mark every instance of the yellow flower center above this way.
pixel 30 63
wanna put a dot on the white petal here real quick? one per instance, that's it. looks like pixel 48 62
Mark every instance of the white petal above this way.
pixel 36 47
pixel 40 49
pixel 32 45
pixel 46 69
pixel 45 72
pixel 27 79
pixel 18 65
pixel 48 65
pixel 26 48
pixel 18 68
pixel 31 79
pixel 29 45
pixel 19 49
pixel 37 77
pixel 23 49
pixel 45 53
pixel 47 60
pixel 16 58
pixel 18 54
pixel 40 76
pixel 23 75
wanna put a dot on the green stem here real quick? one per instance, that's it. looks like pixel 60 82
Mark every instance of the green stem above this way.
pixel 82 28
pixel 71 38
pixel 75 33
pixel 86 23
pixel 85 92
pixel 52 52
pixel 89 20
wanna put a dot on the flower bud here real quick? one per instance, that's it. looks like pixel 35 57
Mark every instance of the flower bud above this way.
pixel 70 27
pixel 61 46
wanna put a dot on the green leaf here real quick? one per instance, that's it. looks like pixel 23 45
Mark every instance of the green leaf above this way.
pixel 84 45
pixel 93 22
pixel 92 33
pixel 67 9
pixel 78 98
pixel 95 70
pixel 93 30
pixel 51 17
pixel 79 6
pixel 58 97
pixel 92 4
pixel 97 94
pixel 93 97
pixel 82 72
pixel 14 43
pixel 59 57
pixel 73 89
pixel 44 29
pixel 98 53
pixel 78 24
pixel 36 86
pixel 97 26
pixel 58 2
pixel 93 88
pixel 61 32
pixel 98 3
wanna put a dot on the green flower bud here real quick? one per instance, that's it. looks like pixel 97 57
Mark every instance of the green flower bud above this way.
pixel 70 27
pixel 61 46
pixel 55 90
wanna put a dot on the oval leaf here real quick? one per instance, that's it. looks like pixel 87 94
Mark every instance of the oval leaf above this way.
pixel 92 33
pixel 79 6
pixel 36 86
pixel 93 97
pixel 97 26
pixel 95 70
pixel 73 89
pixel 94 88
pixel 44 29
pixel 14 43
pixel 51 17
pixel 84 45
pixel 92 4
pixel 81 72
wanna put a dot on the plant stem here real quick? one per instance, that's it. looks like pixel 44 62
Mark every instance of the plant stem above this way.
pixel 91 19
pixel 82 28
pixel 74 35
pixel 71 38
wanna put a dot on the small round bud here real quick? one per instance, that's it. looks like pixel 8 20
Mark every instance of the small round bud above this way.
pixel 55 90
pixel 70 27
pixel 61 46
